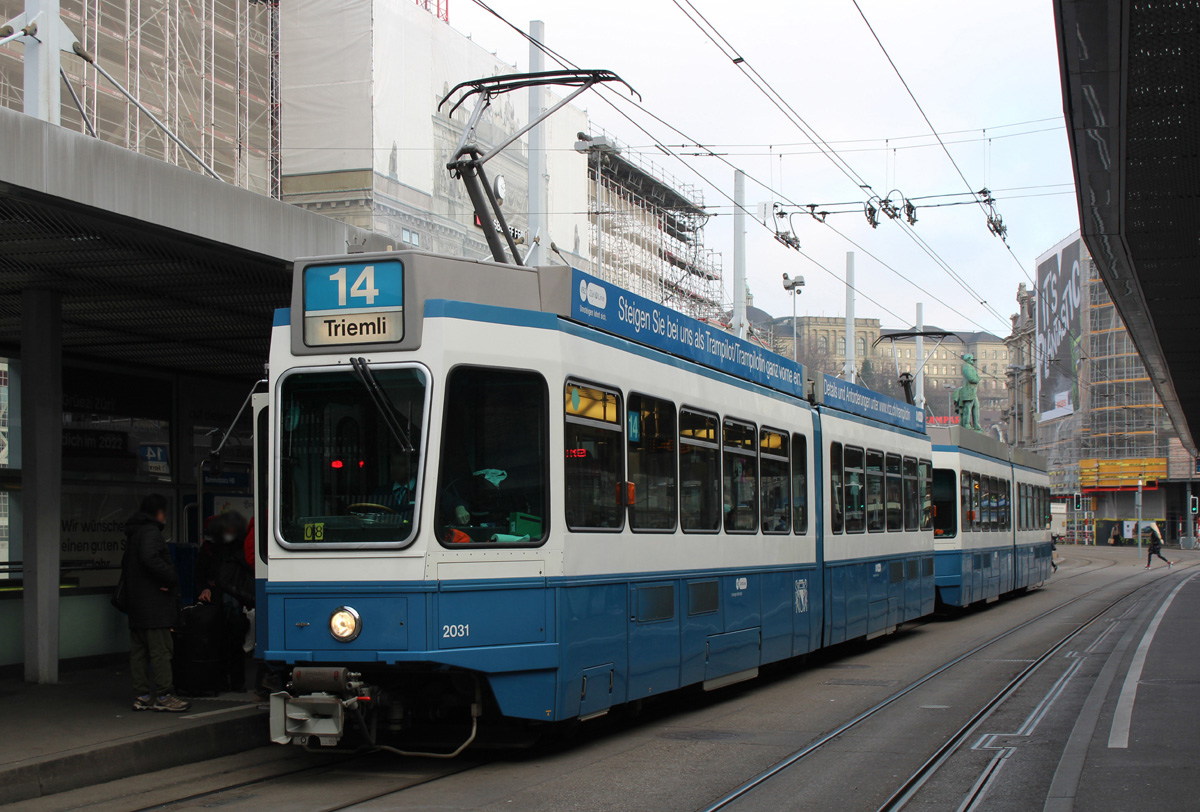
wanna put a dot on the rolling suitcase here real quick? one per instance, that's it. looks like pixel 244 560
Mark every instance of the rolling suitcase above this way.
pixel 197 660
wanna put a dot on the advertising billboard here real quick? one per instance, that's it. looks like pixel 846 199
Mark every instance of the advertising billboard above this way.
pixel 1059 330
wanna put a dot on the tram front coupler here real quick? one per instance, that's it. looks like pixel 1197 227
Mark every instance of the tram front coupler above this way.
pixel 316 704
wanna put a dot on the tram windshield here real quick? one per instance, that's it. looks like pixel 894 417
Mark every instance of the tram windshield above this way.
pixel 349 456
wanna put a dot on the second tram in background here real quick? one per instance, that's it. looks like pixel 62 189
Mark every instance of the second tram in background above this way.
pixel 991 526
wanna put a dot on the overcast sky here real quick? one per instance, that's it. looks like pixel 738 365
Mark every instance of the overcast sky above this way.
pixel 986 75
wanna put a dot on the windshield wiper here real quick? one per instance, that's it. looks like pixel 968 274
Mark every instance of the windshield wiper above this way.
pixel 383 403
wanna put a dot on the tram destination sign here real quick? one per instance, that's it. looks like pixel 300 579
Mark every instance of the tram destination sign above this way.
pixel 348 303
pixel 615 310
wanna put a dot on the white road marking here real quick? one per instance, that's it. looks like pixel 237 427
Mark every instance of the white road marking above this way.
pixel 1118 737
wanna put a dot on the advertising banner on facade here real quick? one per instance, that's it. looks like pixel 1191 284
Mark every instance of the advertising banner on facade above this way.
pixel 1059 330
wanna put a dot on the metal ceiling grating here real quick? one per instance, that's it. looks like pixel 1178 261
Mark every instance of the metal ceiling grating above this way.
pixel 135 294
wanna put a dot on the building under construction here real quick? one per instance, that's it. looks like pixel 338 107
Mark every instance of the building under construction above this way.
pixel 208 69
pixel 1096 416
pixel 647 231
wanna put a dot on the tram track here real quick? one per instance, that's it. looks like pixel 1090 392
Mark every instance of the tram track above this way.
pixel 928 768
pixel 242 793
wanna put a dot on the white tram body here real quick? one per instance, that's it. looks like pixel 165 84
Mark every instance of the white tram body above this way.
pixel 987 544
pixel 497 490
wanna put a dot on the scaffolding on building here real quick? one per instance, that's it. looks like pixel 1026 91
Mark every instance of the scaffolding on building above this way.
pixel 1120 416
pixel 1125 418
pixel 208 69
pixel 647 233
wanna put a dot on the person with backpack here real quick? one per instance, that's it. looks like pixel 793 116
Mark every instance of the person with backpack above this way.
pixel 152 595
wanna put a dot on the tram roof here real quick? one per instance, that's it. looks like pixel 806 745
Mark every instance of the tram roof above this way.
pixel 320 307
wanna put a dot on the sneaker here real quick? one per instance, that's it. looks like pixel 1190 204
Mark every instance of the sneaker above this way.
pixel 1146 567
pixel 1170 564
pixel 143 702
pixel 172 704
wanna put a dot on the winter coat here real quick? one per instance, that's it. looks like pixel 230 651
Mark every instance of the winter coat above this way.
pixel 148 568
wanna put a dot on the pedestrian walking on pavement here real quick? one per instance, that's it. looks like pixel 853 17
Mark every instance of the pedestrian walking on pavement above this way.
pixel 153 589
pixel 1156 544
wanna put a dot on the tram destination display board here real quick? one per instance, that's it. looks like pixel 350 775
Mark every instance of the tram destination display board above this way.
pixel 354 303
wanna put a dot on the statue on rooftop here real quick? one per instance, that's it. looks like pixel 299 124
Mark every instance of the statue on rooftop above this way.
pixel 965 397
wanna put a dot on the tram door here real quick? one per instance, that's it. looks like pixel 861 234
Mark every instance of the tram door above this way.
pixel 653 639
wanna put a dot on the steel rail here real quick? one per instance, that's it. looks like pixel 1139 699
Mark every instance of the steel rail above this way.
pixel 825 739
pixel 927 770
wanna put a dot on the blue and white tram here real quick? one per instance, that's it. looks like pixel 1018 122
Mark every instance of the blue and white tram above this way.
pixel 494 491
pixel 986 544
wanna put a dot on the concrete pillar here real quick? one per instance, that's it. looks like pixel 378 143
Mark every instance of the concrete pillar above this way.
pixel 539 218
pixel 42 61
pixel 739 254
pixel 41 495
pixel 849 366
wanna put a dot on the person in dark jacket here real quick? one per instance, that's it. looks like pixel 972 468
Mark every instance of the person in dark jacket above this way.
pixel 1156 545
pixel 227 581
pixel 153 587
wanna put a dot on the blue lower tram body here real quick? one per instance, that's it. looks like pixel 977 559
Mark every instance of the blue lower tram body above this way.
pixel 965 577
pixel 557 649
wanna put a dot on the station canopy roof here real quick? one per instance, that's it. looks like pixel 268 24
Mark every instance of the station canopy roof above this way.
pixel 1131 93
pixel 157 266
pixel 136 295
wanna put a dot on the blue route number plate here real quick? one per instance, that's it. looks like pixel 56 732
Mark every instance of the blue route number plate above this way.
pixel 348 303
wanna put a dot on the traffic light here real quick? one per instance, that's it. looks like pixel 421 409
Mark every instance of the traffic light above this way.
pixel 1077 502
pixel 1195 500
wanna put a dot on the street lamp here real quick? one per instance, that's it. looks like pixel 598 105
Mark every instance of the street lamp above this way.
pixel 793 286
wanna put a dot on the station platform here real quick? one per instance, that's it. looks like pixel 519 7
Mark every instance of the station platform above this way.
pixel 83 731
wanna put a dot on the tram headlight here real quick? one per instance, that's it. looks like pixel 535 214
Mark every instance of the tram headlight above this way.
pixel 344 624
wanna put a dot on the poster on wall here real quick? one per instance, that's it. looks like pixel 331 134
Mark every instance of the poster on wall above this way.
pixel 1059 330
pixel 92 536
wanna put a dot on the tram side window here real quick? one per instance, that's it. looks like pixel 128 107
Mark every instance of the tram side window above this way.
pixel 989 506
pixel 741 477
pixel 1006 505
pixel 699 472
pixel 976 504
pixel 912 495
pixel 1045 508
pixel 965 507
pixel 875 504
pixel 592 469
pixel 894 493
pixel 945 519
pixel 1023 509
pixel 800 484
pixel 492 486
pixel 651 435
pixel 855 490
pixel 776 490
pixel 836 495
pixel 925 473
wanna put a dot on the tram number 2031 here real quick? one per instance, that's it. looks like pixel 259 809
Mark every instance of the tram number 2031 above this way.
pixel 459 630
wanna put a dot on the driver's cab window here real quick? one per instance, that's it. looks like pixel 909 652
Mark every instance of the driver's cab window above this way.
pixel 349 455
pixel 492 478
